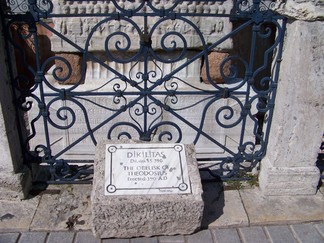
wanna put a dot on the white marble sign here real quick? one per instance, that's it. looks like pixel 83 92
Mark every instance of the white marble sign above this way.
pixel 133 169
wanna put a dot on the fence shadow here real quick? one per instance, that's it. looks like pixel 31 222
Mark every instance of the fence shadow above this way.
pixel 213 197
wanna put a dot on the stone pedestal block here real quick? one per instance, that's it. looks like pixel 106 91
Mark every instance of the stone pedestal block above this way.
pixel 284 181
pixel 126 216
pixel 297 124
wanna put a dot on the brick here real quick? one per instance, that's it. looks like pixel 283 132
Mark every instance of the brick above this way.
pixel 172 239
pixel 280 233
pixel 202 236
pixel 85 237
pixel 35 237
pixel 226 235
pixel 253 234
pixel 9 237
pixel 307 233
pixel 66 237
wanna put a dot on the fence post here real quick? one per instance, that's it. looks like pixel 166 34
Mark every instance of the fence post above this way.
pixel 15 179
pixel 298 121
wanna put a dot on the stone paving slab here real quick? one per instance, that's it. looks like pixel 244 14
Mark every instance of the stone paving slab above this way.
pixel 17 215
pixel 226 235
pixel 222 208
pixel 59 203
pixel 9 237
pixel 85 237
pixel 145 240
pixel 233 212
pixel 201 236
pixel 35 237
pixel 280 233
pixel 116 241
pixel 307 233
pixel 320 228
pixel 284 209
pixel 321 189
pixel 63 208
pixel 302 233
pixel 253 234
pixel 57 237
pixel 172 239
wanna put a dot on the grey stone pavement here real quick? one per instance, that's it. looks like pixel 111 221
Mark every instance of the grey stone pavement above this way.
pixel 305 232
pixel 61 214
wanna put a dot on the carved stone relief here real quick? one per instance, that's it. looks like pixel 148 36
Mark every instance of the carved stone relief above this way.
pixel 80 29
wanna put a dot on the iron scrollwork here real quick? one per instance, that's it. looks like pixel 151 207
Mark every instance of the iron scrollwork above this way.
pixel 140 77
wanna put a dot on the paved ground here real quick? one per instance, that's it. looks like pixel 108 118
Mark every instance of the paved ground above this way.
pixel 306 233
pixel 61 214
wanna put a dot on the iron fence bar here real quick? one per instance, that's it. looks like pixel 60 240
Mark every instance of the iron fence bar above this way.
pixel 200 54
pixel 247 95
pixel 191 125
pixel 278 60
pixel 117 14
pixel 38 81
pixel 123 109
pixel 136 93
pixel 146 43
pixel 123 77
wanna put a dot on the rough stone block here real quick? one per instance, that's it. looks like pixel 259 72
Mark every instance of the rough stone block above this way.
pixel 125 216
pixel 217 66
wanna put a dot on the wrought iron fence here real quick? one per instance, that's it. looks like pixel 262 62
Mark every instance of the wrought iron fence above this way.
pixel 144 70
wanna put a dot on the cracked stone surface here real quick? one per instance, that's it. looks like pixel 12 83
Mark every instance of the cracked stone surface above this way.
pixel 286 209
pixel 17 214
pixel 63 208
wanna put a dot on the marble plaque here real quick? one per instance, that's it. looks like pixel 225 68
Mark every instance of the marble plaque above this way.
pixel 133 169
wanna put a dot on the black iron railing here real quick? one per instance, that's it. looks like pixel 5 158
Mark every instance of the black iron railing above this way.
pixel 143 70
